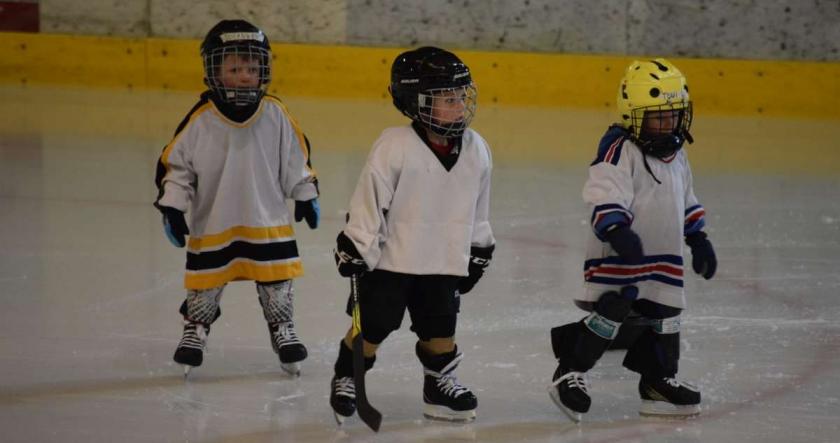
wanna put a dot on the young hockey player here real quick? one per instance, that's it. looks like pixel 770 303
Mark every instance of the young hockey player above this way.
pixel 235 159
pixel 418 233
pixel 643 208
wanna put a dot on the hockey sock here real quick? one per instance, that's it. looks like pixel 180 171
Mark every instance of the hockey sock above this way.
pixel 344 363
pixel 578 346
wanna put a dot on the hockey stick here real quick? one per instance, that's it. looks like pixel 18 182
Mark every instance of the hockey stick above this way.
pixel 367 413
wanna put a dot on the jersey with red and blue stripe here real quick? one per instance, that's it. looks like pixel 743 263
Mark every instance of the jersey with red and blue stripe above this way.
pixel 621 191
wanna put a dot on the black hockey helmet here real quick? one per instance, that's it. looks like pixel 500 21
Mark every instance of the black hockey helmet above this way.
pixel 245 41
pixel 419 75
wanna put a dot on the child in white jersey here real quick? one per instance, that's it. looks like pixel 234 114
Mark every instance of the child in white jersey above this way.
pixel 234 160
pixel 418 232
pixel 643 207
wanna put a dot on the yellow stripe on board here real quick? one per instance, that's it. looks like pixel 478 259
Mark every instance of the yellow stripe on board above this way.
pixel 243 270
pixel 745 87
pixel 196 244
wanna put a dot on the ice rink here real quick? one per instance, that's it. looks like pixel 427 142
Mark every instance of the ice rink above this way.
pixel 90 287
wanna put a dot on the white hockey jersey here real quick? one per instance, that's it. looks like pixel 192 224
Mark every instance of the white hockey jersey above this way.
pixel 408 214
pixel 620 190
pixel 233 179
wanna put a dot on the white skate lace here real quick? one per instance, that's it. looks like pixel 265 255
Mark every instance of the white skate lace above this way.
pixel 344 386
pixel 195 336
pixel 449 386
pixel 575 379
pixel 446 380
pixel 285 335
pixel 679 384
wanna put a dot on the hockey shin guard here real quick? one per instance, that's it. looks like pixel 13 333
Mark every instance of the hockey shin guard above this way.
pixel 277 301
pixel 202 306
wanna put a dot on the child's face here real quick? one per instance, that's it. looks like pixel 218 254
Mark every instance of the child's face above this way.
pixel 660 122
pixel 240 71
pixel 449 106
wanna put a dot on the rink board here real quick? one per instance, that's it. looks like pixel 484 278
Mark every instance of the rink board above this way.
pixel 740 87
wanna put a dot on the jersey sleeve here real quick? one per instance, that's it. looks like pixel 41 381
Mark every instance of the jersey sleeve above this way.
pixel 297 178
pixel 609 189
pixel 695 214
pixel 482 235
pixel 371 199
pixel 175 178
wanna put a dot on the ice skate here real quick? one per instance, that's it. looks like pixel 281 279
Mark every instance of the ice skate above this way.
pixel 445 398
pixel 190 351
pixel 668 397
pixel 287 346
pixel 569 392
pixel 342 398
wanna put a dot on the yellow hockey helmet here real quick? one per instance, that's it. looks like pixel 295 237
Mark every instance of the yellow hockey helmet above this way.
pixel 653 88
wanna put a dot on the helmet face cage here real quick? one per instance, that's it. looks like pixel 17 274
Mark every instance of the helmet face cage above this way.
pixel 229 60
pixel 447 111
pixel 661 130
pixel 676 118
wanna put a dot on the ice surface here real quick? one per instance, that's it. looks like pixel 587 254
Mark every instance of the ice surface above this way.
pixel 91 287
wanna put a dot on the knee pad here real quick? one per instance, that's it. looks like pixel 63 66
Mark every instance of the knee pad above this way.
pixel 435 327
pixel 610 310
pixel 374 333
pixel 277 301
pixel 376 327
pixel 202 306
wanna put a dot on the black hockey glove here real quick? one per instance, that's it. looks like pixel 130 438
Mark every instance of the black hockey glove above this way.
pixel 309 210
pixel 347 257
pixel 627 244
pixel 174 225
pixel 703 259
pixel 479 259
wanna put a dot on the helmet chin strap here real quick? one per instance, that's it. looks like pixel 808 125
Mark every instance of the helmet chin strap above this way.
pixel 662 146
pixel 237 113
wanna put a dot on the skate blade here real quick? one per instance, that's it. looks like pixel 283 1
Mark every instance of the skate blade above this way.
pixel 292 369
pixel 187 369
pixel 574 416
pixel 339 419
pixel 650 408
pixel 442 413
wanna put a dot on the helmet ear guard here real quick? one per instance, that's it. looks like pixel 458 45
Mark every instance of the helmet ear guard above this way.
pixel 655 106
pixel 405 79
